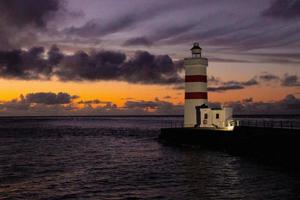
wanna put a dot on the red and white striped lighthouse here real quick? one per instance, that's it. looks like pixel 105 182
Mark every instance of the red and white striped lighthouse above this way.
pixel 195 85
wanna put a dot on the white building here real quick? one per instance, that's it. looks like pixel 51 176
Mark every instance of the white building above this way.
pixel 219 118
pixel 196 111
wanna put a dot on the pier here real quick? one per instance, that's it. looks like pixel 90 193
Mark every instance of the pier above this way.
pixel 260 123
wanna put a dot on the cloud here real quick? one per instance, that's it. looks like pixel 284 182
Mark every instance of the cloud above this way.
pixel 225 88
pixel 54 56
pixel 142 104
pixel 288 105
pixel 123 21
pixel 269 77
pixel 90 104
pixel 290 81
pixel 167 97
pixel 49 98
pixel 250 82
pixel 40 103
pixel 95 101
pixel 283 9
pixel 149 69
pixel 143 67
pixel 31 12
pixel 49 103
pixel 152 23
pixel 64 104
pixel 138 41
pixel 239 34
pixel 21 20
pixel 216 85
pixel 103 65
pixel 24 64
pixel 155 107
pixel 96 27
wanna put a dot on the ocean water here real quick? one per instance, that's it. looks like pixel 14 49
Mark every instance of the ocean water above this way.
pixel 121 158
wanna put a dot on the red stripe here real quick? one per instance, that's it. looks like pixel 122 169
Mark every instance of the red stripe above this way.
pixel 196 78
pixel 196 95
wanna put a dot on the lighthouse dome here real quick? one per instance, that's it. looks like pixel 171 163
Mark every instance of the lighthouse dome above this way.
pixel 196 50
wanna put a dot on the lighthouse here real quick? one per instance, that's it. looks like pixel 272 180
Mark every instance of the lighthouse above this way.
pixel 195 86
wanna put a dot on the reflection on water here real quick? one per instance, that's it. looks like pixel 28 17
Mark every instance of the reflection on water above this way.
pixel 120 158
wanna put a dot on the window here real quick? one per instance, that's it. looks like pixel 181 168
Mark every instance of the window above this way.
pixel 205 116
pixel 217 116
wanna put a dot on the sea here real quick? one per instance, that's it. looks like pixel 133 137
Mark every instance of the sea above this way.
pixel 122 158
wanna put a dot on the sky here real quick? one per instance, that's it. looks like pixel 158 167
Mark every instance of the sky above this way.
pixel 113 57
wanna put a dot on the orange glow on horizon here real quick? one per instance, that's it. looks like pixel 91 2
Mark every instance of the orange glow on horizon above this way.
pixel 113 91
pixel 120 92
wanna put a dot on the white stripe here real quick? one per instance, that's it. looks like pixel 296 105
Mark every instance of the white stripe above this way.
pixel 195 87
pixel 195 70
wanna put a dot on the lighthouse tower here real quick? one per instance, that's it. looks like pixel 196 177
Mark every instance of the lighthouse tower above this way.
pixel 195 86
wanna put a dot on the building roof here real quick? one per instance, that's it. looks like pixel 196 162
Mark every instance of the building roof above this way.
pixel 206 107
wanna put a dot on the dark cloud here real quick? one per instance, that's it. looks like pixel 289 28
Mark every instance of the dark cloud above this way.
pixel 24 64
pixel 55 56
pixel 96 27
pixel 285 9
pixel 28 23
pixel 149 69
pixel 21 20
pixel 138 41
pixel 95 101
pixel 240 37
pixel 154 107
pixel 46 105
pixel 217 85
pixel 106 65
pixel 63 104
pixel 90 103
pixel 49 98
pixel 29 12
pixel 289 105
pixel 124 21
pixel 225 88
pixel 103 65
pixel 142 104
pixel 41 103
pixel 143 67
pixel 290 81
pixel 268 77
pixel 250 82
pixel 239 34
pixel 220 86
pixel 290 102
pixel 99 27
pixel 15 105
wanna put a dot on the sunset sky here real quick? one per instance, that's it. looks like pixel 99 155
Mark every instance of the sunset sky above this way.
pixel 114 57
